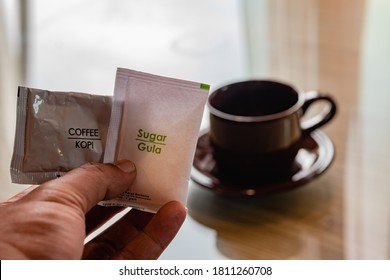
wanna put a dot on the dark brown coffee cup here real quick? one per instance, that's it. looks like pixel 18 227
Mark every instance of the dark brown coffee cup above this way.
pixel 256 127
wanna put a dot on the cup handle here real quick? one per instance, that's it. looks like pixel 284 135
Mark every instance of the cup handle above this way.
pixel 322 117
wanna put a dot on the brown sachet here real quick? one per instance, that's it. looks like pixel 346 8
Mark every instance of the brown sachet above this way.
pixel 56 132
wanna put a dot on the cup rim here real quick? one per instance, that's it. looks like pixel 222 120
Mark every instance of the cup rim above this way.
pixel 239 118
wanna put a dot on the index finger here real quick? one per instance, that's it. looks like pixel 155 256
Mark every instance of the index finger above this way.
pixel 85 186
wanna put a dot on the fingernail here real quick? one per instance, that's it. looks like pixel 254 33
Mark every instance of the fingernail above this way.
pixel 125 165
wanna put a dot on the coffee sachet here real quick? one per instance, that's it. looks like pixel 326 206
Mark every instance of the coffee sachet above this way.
pixel 56 132
pixel 155 122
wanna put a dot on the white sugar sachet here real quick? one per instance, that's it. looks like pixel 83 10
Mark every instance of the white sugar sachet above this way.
pixel 155 122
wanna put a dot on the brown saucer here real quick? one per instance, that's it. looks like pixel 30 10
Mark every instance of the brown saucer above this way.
pixel 313 158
